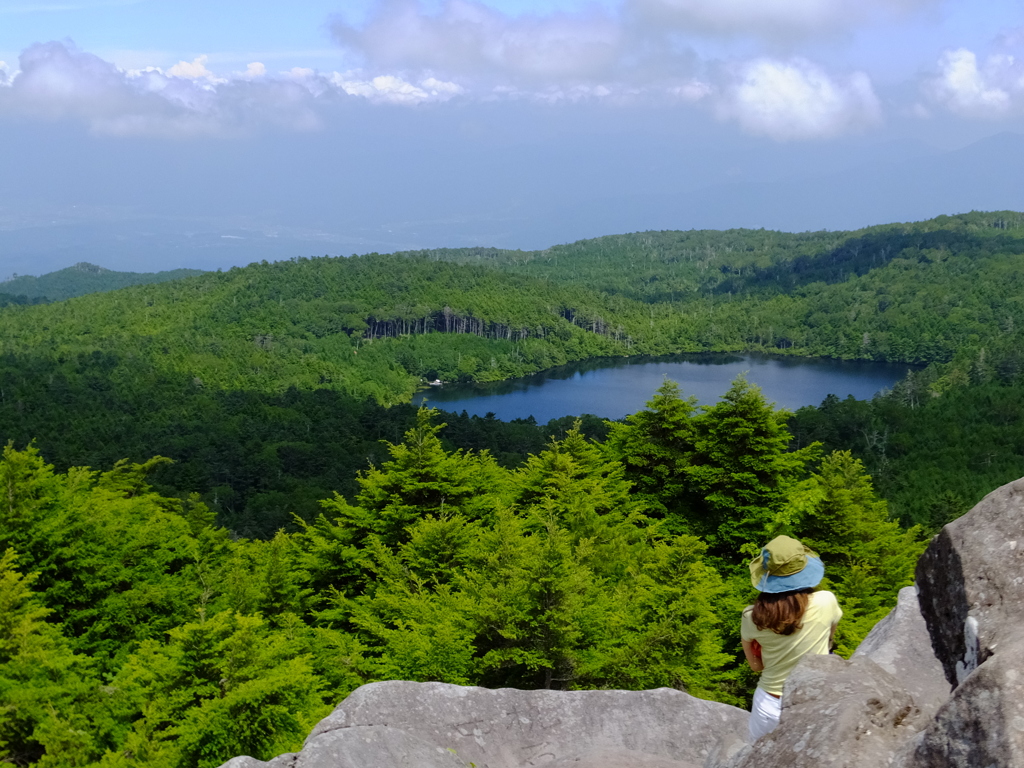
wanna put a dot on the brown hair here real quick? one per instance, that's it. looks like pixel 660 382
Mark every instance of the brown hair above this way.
pixel 780 612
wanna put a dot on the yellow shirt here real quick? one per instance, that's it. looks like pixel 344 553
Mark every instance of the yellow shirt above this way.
pixel 780 653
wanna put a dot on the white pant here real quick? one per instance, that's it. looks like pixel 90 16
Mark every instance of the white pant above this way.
pixel 764 714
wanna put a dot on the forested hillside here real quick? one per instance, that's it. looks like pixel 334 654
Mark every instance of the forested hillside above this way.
pixel 916 292
pixel 671 265
pixel 83 278
pixel 264 383
pixel 366 326
pixel 165 612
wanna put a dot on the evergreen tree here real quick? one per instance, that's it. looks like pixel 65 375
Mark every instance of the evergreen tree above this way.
pixel 420 479
pixel 224 686
pixel 49 697
pixel 741 470
pixel 655 446
pixel 868 557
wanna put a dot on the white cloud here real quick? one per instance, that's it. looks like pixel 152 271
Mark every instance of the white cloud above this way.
pixel 623 57
pixel 57 81
pixel 795 99
pixel 772 19
pixel 394 90
pixel 964 87
pixel 784 100
pixel 465 38
pixel 441 87
pixel 692 90
pixel 253 70
pixel 194 70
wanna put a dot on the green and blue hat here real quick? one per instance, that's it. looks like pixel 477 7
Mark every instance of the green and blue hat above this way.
pixel 785 565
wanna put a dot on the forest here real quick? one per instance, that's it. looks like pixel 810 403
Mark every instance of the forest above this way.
pixel 82 278
pixel 221 514
pixel 136 631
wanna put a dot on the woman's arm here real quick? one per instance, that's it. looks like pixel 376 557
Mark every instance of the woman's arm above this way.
pixel 752 650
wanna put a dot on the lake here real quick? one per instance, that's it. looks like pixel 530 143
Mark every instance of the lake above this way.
pixel 615 387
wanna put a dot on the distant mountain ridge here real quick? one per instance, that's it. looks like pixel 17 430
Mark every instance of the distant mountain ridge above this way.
pixel 83 278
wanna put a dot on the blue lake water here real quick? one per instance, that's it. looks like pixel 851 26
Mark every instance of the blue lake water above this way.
pixel 615 387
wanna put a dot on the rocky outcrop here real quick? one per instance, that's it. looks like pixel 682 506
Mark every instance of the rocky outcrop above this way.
pixel 972 598
pixel 838 714
pixel 434 725
pixel 900 645
pixel 972 582
pixel 937 683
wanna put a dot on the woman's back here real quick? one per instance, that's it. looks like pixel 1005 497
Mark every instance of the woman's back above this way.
pixel 780 653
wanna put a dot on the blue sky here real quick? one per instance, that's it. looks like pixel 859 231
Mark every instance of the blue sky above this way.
pixel 387 124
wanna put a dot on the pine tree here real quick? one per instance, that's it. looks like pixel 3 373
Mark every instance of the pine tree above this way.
pixel 741 471
pixel 49 696
pixel 655 445
pixel 420 479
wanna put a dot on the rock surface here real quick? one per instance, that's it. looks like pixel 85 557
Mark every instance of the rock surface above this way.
pixel 837 714
pixel 434 725
pixel 971 580
pixel 900 645
pixel 982 724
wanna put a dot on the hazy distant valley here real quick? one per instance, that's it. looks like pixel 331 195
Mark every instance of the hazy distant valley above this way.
pixel 660 187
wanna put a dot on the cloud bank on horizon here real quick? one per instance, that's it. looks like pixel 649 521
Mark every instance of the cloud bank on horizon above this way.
pixel 768 66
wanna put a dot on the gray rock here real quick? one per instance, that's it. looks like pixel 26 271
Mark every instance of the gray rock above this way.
pixel 281 761
pixel 837 714
pixel 508 728
pixel 982 724
pixel 374 746
pixel 730 750
pixel 618 759
pixel 900 645
pixel 971 582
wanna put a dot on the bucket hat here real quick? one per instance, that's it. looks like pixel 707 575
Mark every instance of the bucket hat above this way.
pixel 785 565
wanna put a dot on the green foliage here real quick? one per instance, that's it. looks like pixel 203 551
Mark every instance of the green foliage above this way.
pixel 391 545
pixel 868 557
pixel 148 593
pixel 422 478
pixel 114 560
pixel 932 459
pixel 654 445
pixel 83 278
pixel 7 299
pixel 722 474
pixel 45 688
pixel 223 686
pixel 553 577
pixel 742 469
pixel 444 566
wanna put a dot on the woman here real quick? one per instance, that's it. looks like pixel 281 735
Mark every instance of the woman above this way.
pixel 789 621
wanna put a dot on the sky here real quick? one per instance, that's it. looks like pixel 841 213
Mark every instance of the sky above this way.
pixel 149 135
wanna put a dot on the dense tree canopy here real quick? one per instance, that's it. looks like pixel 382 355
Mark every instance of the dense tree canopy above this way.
pixel 309 531
pixel 136 631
